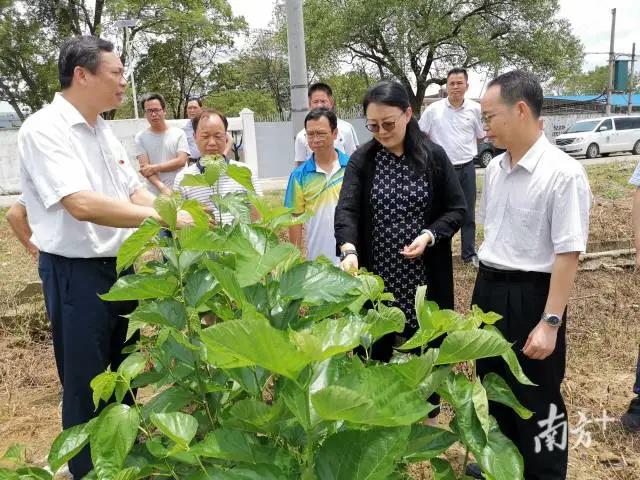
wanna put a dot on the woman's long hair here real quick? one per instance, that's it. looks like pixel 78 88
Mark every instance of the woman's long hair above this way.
pixel 393 94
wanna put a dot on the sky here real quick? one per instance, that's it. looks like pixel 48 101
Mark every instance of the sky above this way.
pixel 591 22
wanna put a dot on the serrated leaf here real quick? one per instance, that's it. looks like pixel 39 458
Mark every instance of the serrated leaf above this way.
pixel 426 442
pixel 170 400
pixel 141 287
pixel 242 175
pixel 499 391
pixel 167 209
pixel 190 180
pixel 199 287
pixel 111 438
pixel 316 282
pixel 168 313
pixel 137 244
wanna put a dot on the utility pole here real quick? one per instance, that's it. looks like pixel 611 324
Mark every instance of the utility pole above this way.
pixel 611 61
pixel 631 79
pixel 127 47
pixel 297 64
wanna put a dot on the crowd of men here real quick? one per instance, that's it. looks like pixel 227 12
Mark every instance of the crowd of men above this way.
pixel 82 198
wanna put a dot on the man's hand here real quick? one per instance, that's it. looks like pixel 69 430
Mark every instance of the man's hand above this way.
pixel 33 251
pixel 541 341
pixel 349 264
pixel 417 247
pixel 148 170
pixel 638 260
pixel 164 190
pixel 184 220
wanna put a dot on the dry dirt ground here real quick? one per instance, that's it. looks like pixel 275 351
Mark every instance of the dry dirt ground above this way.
pixel 603 338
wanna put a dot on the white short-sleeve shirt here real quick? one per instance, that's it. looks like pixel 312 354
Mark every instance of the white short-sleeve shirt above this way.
pixel 160 148
pixel 61 154
pixel 346 142
pixel 535 210
pixel 456 129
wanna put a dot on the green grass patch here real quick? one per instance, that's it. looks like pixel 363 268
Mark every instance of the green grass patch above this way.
pixel 611 180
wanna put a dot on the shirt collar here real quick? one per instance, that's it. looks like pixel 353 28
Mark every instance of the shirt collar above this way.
pixel 310 165
pixel 448 103
pixel 71 114
pixel 530 159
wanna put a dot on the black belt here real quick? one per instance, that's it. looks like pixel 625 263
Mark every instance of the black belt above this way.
pixel 81 259
pixel 462 165
pixel 490 273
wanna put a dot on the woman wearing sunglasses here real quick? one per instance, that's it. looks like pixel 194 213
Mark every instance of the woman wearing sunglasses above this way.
pixel 399 206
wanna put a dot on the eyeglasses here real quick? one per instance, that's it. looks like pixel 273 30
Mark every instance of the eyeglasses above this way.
pixel 387 126
pixel 486 119
pixel 153 111
pixel 318 135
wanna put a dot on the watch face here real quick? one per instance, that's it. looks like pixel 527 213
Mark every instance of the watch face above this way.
pixel 553 320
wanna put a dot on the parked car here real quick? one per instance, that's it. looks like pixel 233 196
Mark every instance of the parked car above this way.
pixel 486 151
pixel 601 136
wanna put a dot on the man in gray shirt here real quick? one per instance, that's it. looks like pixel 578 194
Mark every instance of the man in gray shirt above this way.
pixel 161 150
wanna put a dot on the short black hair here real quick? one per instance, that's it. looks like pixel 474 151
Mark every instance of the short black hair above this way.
pixel 456 71
pixel 518 85
pixel 320 87
pixel 318 113
pixel 152 96
pixel 81 51
pixel 195 99
pixel 206 113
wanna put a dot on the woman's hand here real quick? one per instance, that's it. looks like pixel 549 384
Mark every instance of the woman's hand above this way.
pixel 418 246
pixel 350 263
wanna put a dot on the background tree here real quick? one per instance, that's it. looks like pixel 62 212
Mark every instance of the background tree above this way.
pixel 593 82
pixel 418 41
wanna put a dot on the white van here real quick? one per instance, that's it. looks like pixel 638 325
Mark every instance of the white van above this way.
pixel 603 135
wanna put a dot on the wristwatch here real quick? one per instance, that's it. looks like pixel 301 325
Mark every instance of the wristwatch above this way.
pixel 346 253
pixel 552 319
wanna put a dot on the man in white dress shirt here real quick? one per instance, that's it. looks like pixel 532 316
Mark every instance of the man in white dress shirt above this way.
pixel 454 124
pixel 535 210
pixel 83 199
pixel 321 96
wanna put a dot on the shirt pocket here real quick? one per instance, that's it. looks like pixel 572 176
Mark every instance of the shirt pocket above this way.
pixel 522 229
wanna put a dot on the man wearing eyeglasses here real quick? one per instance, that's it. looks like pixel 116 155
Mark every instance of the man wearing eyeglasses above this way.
pixel 321 96
pixel 454 123
pixel 314 187
pixel 161 150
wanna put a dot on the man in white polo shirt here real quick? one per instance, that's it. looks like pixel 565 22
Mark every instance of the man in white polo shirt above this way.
pixel 535 211
pixel 83 199
pixel 321 96
pixel 454 124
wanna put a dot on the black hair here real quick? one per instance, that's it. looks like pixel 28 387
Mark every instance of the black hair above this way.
pixel 206 113
pixel 392 93
pixel 81 51
pixel 458 70
pixel 320 87
pixel 518 85
pixel 195 99
pixel 318 113
pixel 152 96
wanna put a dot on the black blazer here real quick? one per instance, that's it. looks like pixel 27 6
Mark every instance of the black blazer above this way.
pixel 353 216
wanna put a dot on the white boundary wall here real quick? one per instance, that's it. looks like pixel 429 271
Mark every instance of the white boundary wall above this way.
pixel 125 130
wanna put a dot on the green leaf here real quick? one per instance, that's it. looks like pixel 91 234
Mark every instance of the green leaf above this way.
pixel 179 427
pixel 330 337
pixel 197 212
pixel 227 279
pixel 255 416
pixel 499 391
pixel 6 474
pixel 481 405
pixel 33 473
pixel 103 386
pixel 245 472
pixel 360 454
pixel 442 469
pixel 137 243
pixel 297 401
pixel 234 203
pixel 385 320
pixel 511 359
pixel 111 439
pixel 462 346
pixel 426 442
pixel 480 317
pixel 200 239
pixel 167 209
pixel 231 445
pixel 190 180
pixel 214 167
pixel 166 313
pixel 169 400
pixel 132 366
pixel 141 286
pixel 416 368
pixel 241 343
pixel 68 444
pixel 376 395
pixel 199 287
pixel 16 452
pixel 251 269
pixel 242 175
pixel 316 282
pixel 129 473
pixel 500 458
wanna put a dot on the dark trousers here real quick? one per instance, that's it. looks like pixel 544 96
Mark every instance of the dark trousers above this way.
pixel 520 298
pixel 467 177
pixel 636 385
pixel 88 333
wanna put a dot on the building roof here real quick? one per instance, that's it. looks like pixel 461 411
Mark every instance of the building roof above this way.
pixel 617 99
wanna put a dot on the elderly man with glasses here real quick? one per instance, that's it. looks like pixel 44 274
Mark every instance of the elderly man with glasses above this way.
pixel 161 150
